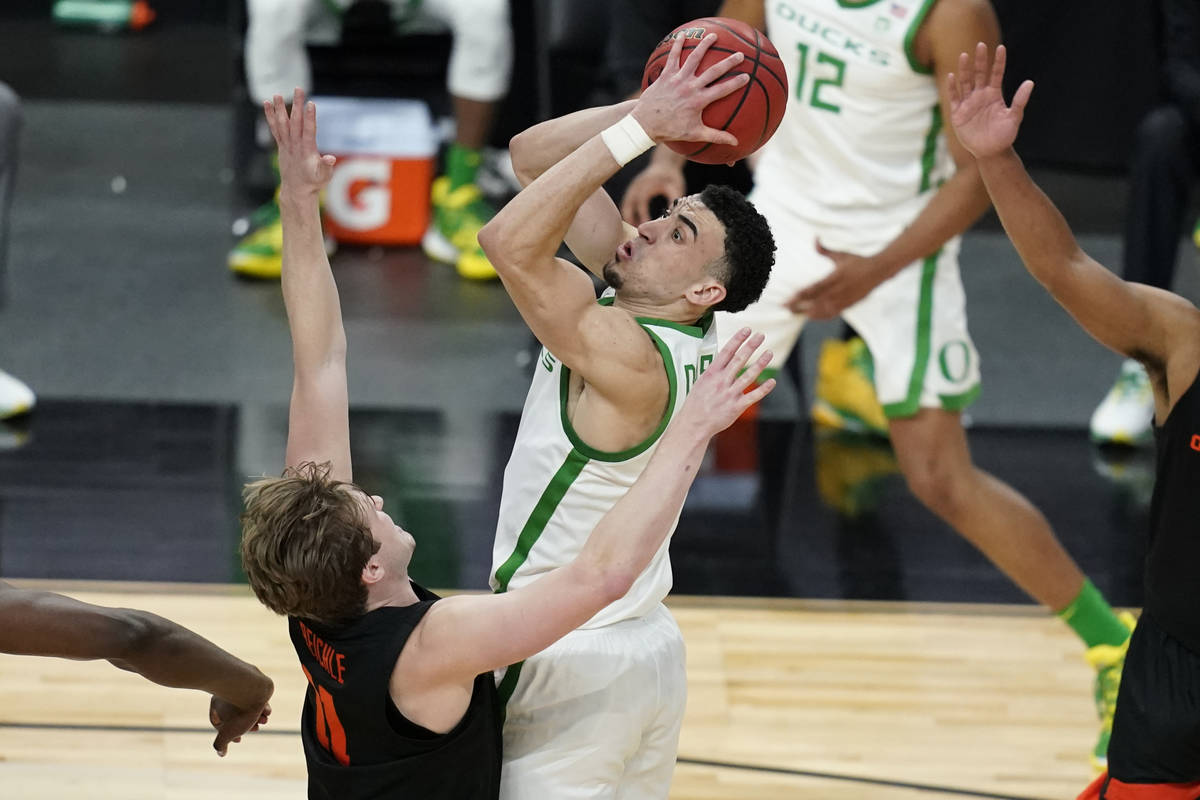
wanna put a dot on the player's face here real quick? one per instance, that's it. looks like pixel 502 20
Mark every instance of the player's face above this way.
pixel 669 254
pixel 396 545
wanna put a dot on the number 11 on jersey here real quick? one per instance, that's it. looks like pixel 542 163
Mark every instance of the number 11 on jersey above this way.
pixel 330 732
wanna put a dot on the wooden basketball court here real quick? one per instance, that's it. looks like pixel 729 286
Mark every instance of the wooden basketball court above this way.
pixel 787 699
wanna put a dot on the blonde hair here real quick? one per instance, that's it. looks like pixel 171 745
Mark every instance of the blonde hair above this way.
pixel 305 541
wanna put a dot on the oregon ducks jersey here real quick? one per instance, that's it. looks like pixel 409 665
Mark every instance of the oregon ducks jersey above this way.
pixel 861 144
pixel 557 488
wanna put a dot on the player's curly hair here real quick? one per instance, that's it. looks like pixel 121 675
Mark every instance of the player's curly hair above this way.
pixel 749 247
pixel 305 541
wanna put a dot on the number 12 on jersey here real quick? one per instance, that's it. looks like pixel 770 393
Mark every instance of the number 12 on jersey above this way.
pixel 838 75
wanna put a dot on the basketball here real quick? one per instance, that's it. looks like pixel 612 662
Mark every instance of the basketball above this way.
pixel 753 114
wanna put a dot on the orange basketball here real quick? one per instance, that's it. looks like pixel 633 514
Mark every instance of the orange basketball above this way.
pixel 752 114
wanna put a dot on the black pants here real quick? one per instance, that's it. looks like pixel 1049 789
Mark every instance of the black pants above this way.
pixel 1156 730
pixel 10 129
pixel 1161 178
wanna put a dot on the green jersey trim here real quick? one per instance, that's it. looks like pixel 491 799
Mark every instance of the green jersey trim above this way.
pixel 545 507
pixel 909 405
pixel 698 329
pixel 508 684
pixel 856 3
pixel 911 35
pixel 929 152
pixel 957 402
pixel 621 455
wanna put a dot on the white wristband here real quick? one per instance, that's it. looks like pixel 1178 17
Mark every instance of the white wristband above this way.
pixel 626 140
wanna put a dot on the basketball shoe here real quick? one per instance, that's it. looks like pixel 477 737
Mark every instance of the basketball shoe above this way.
pixel 453 236
pixel 1126 414
pixel 846 397
pixel 15 397
pixel 259 254
pixel 1107 660
pixel 852 470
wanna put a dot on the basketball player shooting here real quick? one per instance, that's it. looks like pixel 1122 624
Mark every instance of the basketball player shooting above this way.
pixel 1155 746
pixel 602 708
pixel 402 700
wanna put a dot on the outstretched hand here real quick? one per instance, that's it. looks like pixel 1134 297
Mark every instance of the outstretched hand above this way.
pixel 720 395
pixel 301 167
pixel 852 279
pixel 982 121
pixel 232 722
pixel 670 109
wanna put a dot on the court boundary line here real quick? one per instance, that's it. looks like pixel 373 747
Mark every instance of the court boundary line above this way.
pixel 695 762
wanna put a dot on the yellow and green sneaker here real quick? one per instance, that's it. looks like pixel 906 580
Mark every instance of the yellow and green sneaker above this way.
pixel 259 254
pixel 453 237
pixel 846 397
pixel 1108 661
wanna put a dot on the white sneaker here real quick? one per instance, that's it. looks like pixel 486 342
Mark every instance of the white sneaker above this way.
pixel 15 397
pixel 1126 415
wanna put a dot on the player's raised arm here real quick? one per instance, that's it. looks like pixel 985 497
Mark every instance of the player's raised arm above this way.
pixel 34 623
pixel 463 636
pixel 1148 324
pixel 318 420
pixel 521 241
pixel 597 229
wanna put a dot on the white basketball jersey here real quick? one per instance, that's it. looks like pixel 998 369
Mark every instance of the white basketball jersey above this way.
pixel 861 145
pixel 557 488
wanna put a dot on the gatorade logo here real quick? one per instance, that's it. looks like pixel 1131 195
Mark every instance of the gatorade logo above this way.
pixel 359 196
pixel 1196 442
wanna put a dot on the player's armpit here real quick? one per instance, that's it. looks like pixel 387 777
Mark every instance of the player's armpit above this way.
pixel 617 358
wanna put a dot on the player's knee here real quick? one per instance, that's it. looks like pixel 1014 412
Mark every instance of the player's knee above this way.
pixel 937 483
pixel 483 48
pixel 10 111
pixel 277 12
pixel 481 19
pixel 1164 130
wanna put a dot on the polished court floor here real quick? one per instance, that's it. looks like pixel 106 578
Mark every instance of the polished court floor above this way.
pixel 787 699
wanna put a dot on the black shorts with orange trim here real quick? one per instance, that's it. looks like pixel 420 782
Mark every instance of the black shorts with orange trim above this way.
pixel 1107 788
pixel 1156 729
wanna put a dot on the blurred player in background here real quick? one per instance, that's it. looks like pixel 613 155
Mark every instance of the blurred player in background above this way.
pixel 479 71
pixel 15 397
pixel 1166 156
pixel 868 192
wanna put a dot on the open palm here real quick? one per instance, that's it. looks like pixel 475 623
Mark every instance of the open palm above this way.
pixel 982 121
pixel 301 166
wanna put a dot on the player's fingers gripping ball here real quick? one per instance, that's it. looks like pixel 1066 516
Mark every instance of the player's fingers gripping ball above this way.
pixel 751 114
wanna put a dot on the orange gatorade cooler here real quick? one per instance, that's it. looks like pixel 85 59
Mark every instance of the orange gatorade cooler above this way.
pixel 379 192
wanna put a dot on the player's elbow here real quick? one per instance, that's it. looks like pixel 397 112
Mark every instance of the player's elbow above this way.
pixel 496 238
pixel 522 148
pixel 611 582
pixel 133 633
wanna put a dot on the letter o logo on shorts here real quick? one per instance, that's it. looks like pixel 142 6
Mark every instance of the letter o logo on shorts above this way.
pixel 955 360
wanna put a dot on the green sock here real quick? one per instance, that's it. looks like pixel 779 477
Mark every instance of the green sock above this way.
pixel 461 165
pixel 1092 619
